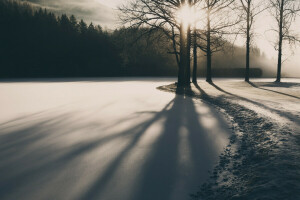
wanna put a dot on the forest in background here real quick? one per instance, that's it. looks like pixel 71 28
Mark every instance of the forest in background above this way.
pixel 37 43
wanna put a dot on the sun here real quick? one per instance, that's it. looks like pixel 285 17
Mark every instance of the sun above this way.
pixel 186 15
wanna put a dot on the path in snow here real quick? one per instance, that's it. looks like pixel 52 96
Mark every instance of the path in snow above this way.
pixel 103 139
pixel 262 159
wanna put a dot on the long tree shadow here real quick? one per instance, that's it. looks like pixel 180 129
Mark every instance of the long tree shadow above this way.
pixel 251 167
pixel 22 140
pixel 96 189
pixel 269 90
pixel 280 113
pixel 254 168
pixel 182 153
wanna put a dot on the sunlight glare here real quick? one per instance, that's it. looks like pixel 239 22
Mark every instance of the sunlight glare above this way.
pixel 186 15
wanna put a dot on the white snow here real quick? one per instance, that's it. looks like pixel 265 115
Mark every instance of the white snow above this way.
pixel 122 138
pixel 105 139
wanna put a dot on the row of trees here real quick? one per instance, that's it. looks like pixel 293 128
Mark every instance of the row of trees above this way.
pixel 36 43
pixel 213 24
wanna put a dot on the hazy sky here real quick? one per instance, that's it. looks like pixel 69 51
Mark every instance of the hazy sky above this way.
pixel 101 12
pixel 111 3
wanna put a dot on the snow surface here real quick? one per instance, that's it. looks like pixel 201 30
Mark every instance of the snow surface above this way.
pixel 262 159
pixel 124 139
pixel 105 139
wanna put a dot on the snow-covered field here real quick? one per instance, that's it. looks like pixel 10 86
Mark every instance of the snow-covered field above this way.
pixel 124 139
pixel 263 157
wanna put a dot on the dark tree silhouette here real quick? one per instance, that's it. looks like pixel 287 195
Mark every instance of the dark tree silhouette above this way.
pixel 195 59
pixel 219 21
pixel 249 9
pixel 37 43
pixel 158 14
pixel 284 12
pixel 82 27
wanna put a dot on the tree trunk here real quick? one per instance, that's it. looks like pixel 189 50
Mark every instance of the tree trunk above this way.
pixel 195 56
pixel 182 62
pixel 188 49
pixel 208 54
pixel 184 66
pixel 208 75
pixel 174 46
pixel 278 79
pixel 247 75
pixel 188 57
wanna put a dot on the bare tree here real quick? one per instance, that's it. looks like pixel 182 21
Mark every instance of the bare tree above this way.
pixel 189 41
pixel 195 61
pixel 219 19
pixel 284 12
pixel 249 9
pixel 161 14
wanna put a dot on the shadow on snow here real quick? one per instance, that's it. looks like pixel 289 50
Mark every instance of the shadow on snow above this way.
pixel 29 155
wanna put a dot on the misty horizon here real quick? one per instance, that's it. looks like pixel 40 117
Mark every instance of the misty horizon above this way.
pixel 105 13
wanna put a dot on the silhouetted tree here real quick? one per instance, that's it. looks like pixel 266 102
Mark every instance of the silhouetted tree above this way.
pixel 284 12
pixel 36 43
pixel 219 20
pixel 195 59
pixel 250 9
pixel 82 27
pixel 142 54
pixel 74 24
pixel 161 14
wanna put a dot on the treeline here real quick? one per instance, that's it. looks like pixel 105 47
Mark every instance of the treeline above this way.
pixel 209 26
pixel 36 43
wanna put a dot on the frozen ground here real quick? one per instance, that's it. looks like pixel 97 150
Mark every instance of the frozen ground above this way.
pixel 124 139
pixel 263 157
pixel 105 139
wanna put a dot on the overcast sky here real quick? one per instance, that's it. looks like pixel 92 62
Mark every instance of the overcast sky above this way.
pixel 101 12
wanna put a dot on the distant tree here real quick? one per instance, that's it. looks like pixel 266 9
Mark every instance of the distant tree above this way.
pixel 74 23
pixel 82 27
pixel 144 56
pixel 249 9
pixel 91 29
pixel 219 21
pixel 99 29
pixel 284 12
pixel 36 43
pixel 64 20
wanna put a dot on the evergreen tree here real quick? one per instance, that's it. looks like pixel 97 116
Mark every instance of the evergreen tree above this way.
pixel 74 23
pixel 82 27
